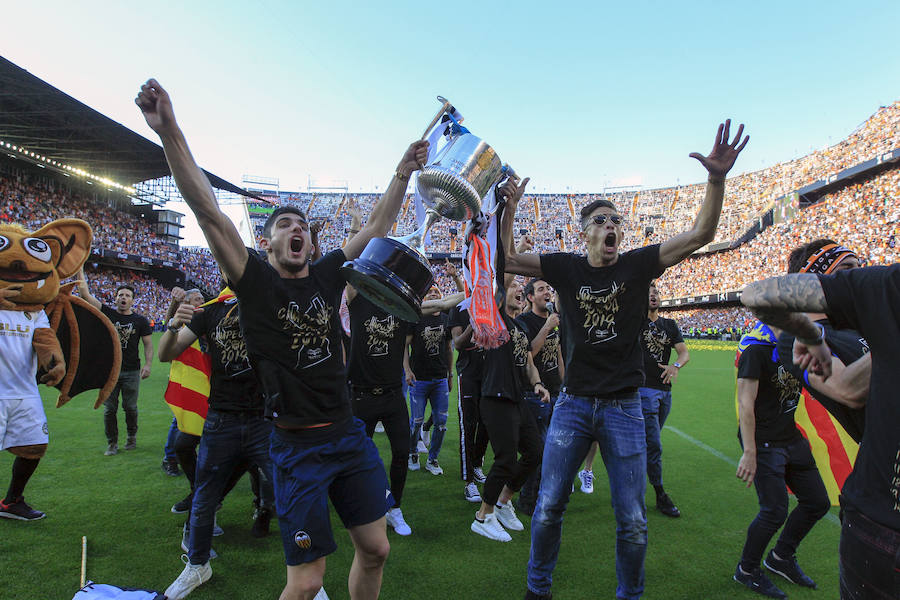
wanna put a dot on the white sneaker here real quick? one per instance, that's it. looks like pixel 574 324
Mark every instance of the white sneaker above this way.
pixel 426 438
pixel 480 477
pixel 433 467
pixel 379 428
pixel 413 462
pixel 587 481
pixel 395 519
pixel 189 580
pixel 490 528
pixel 420 447
pixel 506 514
pixel 321 595
pixel 472 494
pixel 184 544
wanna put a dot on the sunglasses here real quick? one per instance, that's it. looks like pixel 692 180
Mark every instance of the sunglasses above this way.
pixel 601 219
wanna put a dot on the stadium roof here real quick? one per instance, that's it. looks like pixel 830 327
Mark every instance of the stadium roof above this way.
pixel 41 118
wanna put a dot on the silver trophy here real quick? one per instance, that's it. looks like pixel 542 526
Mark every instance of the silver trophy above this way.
pixel 393 272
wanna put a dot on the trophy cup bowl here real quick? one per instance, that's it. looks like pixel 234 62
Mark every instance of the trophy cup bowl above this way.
pixel 393 272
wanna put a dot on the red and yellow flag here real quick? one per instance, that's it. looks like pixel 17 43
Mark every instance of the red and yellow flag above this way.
pixel 188 391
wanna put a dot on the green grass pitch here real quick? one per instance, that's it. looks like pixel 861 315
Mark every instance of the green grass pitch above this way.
pixel 122 503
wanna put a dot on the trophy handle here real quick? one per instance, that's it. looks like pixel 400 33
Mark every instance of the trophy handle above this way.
pixel 445 106
pixel 416 239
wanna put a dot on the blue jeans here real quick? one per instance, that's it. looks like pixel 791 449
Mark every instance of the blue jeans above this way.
pixel 653 403
pixel 617 424
pixel 228 439
pixel 436 392
pixel 169 450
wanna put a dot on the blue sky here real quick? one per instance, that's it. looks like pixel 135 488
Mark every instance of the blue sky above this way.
pixel 578 96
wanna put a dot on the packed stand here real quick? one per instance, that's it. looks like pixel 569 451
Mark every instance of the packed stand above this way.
pixel 151 299
pixel 731 322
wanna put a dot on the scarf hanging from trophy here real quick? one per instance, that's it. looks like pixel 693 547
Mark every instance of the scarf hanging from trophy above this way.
pixel 483 269
pixel 441 129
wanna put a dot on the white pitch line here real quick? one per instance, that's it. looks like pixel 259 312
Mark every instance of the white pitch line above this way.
pixel 830 516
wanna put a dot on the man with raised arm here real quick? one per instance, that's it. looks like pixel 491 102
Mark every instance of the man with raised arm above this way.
pixel 289 316
pixel 864 300
pixel 603 297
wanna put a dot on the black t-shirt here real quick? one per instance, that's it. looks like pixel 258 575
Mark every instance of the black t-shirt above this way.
pixel 547 358
pixel 866 300
pixel 293 332
pixel 429 356
pixel 131 328
pixel 603 311
pixel 848 346
pixel 376 345
pixel 658 338
pixel 232 383
pixel 776 398
pixel 505 373
pixel 469 360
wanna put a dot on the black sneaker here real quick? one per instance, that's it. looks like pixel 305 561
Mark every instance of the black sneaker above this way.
pixel 757 581
pixel 171 468
pixel 261 522
pixel 529 595
pixel 789 569
pixel 665 505
pixel 19 511
pixel 524 505
pixel 183 506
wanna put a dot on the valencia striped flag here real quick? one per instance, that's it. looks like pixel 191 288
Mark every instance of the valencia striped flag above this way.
pixel 188 391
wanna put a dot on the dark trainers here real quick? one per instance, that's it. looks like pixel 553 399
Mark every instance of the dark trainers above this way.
pixel 529 595
pixel 131 443
pixel 19 511
pixel 665 505
pixel 182 506
pixel 111 450
pixel 757 581
pixel 171 468
pixel 789 569
pixel 261 520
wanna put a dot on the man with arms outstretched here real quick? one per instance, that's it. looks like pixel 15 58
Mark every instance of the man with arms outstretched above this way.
pixel 291 325
pixel 603 297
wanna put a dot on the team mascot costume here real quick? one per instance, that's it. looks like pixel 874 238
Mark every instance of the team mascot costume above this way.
pixel 44 333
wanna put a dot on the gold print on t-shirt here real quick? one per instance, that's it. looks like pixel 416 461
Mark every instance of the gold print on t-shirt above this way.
pixel 788 389
pixel 520 346
pixel 125 331
pixel 549 354
pixel 657 342
pixel 600 308
pixel 380 332
pixel 228 338
pixel 432 338
pixel 309 330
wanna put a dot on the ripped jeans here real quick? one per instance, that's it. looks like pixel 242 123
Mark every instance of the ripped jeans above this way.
pixel 617 423
pixel 435 392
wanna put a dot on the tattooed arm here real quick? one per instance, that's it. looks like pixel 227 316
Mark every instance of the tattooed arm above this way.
pixel 781 302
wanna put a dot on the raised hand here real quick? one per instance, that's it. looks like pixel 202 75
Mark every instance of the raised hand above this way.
pixel 525 244
pixel 724 153
pixel 512 190
pixel 178 294
pixel 450 268
pixel 414 158
pixel 353 209
pixel 156 106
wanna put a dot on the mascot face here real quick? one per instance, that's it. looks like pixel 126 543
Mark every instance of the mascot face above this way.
pixel 35 262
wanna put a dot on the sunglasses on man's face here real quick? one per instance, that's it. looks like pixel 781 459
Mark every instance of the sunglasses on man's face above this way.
pixel 601 219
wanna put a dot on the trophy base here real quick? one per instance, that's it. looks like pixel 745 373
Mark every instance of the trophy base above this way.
pixel 392 276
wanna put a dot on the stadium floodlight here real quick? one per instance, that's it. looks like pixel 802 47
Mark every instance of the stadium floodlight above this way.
pixel 108 182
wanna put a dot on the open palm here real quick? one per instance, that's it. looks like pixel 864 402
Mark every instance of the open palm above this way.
pixel 724 153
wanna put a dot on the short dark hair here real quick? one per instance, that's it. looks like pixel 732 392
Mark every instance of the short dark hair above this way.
pixel 587 210
pixel 281 210
pixel 529 287
pixel 125 286
pixel 800 256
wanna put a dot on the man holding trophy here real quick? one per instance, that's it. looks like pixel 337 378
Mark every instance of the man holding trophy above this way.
pixel 291 324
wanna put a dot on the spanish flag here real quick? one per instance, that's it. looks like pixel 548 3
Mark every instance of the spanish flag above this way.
pixel 832 447
pixel 188 391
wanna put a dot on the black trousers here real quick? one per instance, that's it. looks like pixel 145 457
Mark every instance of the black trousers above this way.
pixel 473 436
pixel 389 407
pixel 791 465
pixel 512 429
pixel 869 558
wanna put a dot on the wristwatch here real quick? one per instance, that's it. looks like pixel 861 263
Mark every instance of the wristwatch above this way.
pixel 171 327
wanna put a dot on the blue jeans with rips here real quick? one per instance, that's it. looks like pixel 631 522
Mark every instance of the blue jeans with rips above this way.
pixel 228 438
pixel 436 392
pixel 653 403
pixel 616 422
